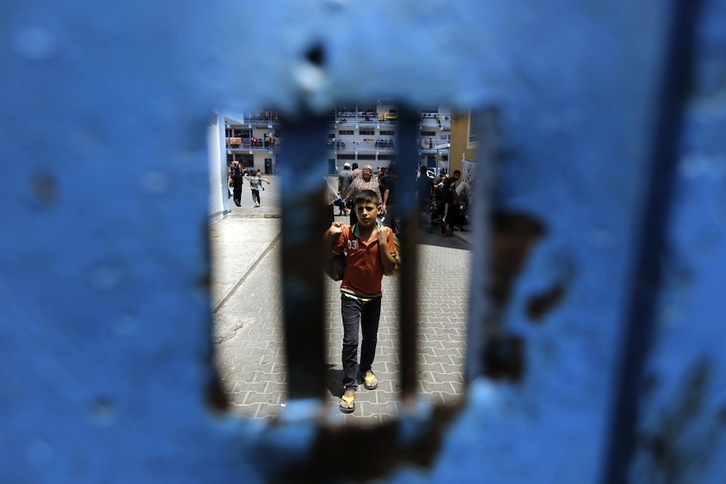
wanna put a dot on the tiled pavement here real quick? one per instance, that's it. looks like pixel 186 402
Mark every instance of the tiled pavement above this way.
pixel 248 322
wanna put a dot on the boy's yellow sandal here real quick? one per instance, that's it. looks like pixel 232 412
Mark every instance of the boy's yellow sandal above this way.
pixel 347 403
pixel 369 381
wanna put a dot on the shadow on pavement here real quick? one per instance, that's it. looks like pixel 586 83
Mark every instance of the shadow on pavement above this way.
pixel 438 240
pixel 335 378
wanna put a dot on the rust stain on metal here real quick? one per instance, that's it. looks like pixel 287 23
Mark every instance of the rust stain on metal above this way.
pixel 513 236
pixel 336 453
pixel 541 304
pixel 504 358
pixel 680 445
pixel 45 188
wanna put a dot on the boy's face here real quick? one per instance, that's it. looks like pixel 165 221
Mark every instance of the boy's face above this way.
pixel 367 213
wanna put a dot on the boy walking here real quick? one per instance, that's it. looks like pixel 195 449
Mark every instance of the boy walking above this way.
pixel 370 253
pixel 255 183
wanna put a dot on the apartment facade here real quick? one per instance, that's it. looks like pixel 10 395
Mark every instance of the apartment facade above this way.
pixel 364 133
pixel 367 135
pixel 253 140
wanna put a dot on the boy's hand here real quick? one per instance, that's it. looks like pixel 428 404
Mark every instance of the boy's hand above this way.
pixel 383 235
pixel 335 228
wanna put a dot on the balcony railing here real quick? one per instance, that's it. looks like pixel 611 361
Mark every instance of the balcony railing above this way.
pixel 266 118
pixel 367 144
pixel 251 144
pixel 442 121
pixel 363 117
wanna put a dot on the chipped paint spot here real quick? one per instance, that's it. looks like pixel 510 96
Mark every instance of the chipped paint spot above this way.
pixel 539 305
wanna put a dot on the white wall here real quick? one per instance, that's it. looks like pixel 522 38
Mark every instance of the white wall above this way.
pixel 218 199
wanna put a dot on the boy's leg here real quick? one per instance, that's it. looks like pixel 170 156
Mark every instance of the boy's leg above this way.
pixel 351 312
pixel 370 316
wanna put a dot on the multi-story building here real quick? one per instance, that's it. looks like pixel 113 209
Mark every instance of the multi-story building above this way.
pixel 253 139
pixel 366 134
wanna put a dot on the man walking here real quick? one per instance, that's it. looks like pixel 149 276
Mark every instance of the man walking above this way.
pixel 345 178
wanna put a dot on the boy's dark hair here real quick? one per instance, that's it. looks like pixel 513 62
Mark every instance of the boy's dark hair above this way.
pixel 365 196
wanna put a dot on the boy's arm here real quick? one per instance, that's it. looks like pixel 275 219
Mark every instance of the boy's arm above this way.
pixel 385 243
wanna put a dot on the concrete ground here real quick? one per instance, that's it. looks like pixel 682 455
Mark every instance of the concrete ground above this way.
pixel 248 319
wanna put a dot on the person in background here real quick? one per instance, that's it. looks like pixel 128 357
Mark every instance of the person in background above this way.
pixel 447 194
pixel 331 200
pixel 356 171
pixel 424 195
pixel 237 178
pixel 463 199
pixel 345 178
pixel 366 181
pixel 230 182
pixel 255 184
pixel 387 185
pixel 440 177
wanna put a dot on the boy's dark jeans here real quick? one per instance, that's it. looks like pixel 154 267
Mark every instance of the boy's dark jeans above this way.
pixel 365 315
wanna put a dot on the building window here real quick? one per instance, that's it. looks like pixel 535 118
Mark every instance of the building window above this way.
pixel 428 133
pixel 387 132
pixel 346 131
pixel 366 131
pixel 346 157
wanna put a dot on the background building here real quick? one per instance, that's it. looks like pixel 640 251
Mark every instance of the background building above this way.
pixel 363 133
pixel 367 134
pixel 252 139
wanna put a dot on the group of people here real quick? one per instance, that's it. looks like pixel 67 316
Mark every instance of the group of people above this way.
pixel 443 199
pixel 236 176
pixel 352 180
pixel 450 201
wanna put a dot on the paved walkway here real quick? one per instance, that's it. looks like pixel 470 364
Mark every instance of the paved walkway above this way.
pixel 248 320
